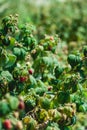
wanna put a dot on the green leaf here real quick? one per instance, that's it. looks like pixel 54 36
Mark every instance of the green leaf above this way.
pixel 63 97
pixel 13 102
pixel 12 42
pixel 6 75
pixel 47 61
pixel 32 124
pixel 23 53
pixel 41 84
pixel 40 91
pixel 32 80
pixel 4 108
pixel 53 126
pixel 17 51
pixel 3 60
pixel 45 103
pixel 11 61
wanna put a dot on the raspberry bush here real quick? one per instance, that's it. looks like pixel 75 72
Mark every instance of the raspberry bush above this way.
pixel 37 90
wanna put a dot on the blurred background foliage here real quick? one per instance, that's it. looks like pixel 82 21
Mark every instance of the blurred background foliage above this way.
pixel 68 19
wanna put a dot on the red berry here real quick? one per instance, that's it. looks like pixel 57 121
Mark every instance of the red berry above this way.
pixel 30 71
pixel 51 38
pixel 21 105
pixel 22 79
pixel 49 88
pixel 7 124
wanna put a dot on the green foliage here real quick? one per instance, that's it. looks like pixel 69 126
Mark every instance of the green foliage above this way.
pixel 53 92
pixel 74 60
